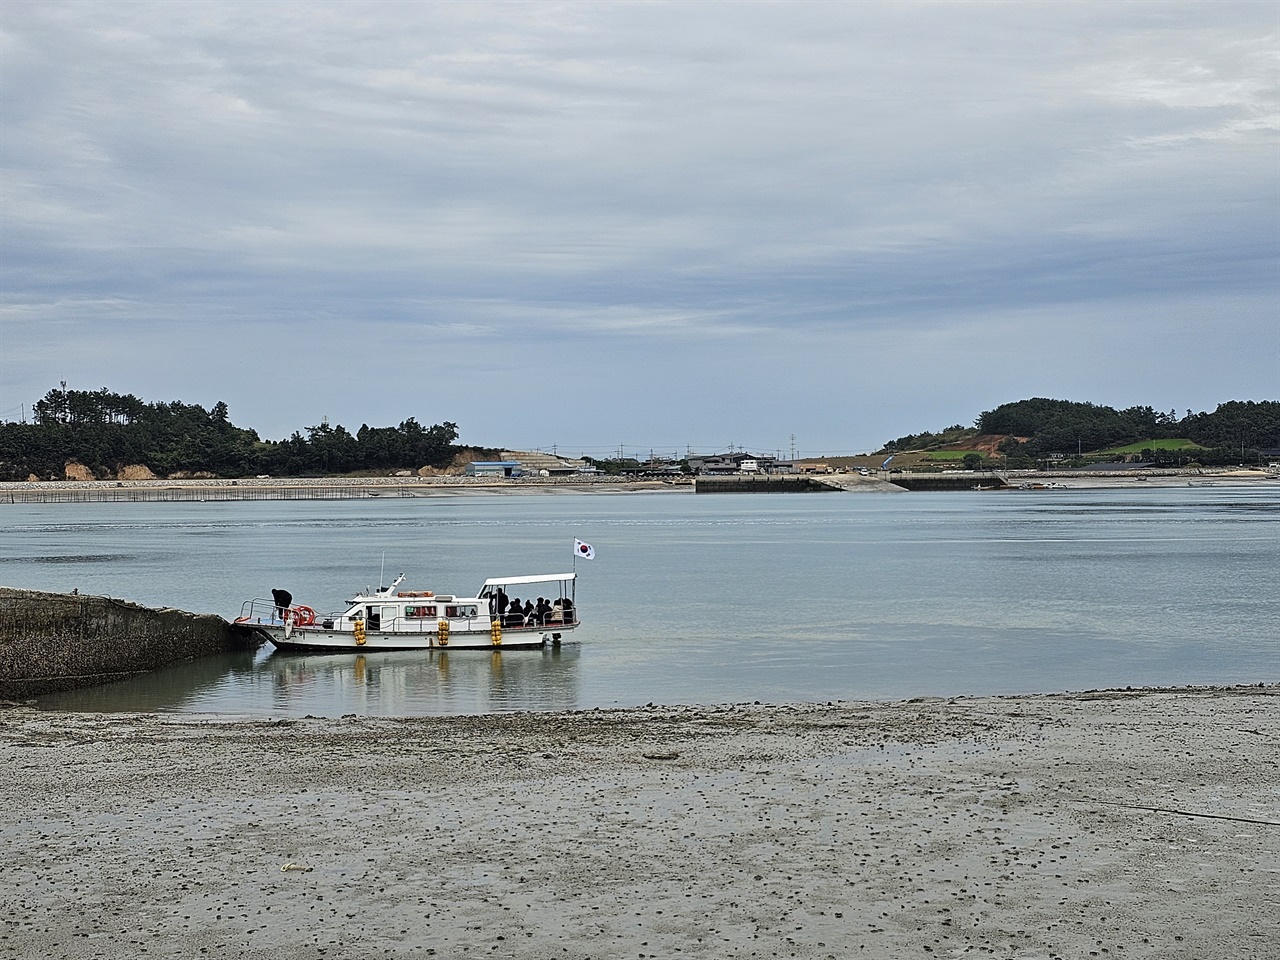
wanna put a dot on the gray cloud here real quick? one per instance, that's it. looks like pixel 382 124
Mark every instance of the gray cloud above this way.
pixel 669 201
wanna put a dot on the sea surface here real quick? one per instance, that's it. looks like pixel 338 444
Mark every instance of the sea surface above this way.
pixel 700 599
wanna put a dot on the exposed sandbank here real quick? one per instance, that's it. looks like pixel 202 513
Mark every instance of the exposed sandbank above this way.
pixel 1115 824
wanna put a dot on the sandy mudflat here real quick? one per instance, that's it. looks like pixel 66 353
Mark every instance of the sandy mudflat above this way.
pixel 1014 827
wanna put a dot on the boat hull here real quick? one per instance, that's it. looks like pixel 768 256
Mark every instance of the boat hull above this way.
pixel 305 640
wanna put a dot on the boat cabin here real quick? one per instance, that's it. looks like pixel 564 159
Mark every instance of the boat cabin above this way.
pixel 388 610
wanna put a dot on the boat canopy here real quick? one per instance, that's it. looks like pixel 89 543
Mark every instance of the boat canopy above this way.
pixel 537 578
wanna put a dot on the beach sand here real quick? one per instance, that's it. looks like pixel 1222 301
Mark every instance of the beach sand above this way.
pixel 1109 824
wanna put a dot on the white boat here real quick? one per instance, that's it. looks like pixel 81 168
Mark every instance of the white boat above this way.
pixel 392 619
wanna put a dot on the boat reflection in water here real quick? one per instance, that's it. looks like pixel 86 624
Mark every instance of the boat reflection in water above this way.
pixel 428 682
pixel 394 683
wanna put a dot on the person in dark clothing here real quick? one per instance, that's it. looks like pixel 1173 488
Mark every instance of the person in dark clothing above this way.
pixel 283 600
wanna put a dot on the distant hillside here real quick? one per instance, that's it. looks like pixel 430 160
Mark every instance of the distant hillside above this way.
pixel 103 434
pixel 1039 428
pixel 99 434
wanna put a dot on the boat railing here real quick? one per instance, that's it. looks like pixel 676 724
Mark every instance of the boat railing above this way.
pixel 512 622
pixel 260 610
pixel 267 612
pixel 426 624
pixel 481 621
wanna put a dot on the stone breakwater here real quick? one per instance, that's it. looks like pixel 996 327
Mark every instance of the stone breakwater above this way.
pixel 57 641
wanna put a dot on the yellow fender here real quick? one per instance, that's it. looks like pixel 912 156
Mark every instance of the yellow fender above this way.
pixel 442 632
pixel 495 632
pixel 358 630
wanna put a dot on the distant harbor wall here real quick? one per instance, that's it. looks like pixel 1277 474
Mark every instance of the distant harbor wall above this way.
pixel 827 483
pixel 976 480
pixel 58 641
pixel 762 483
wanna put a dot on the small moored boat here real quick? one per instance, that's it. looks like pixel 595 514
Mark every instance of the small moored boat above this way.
pixel 392 619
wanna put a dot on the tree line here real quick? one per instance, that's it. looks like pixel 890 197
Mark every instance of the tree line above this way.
pixel 1038 428
pixel 105 431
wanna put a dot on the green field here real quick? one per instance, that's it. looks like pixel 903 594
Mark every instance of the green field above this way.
pixel 1156 445
pixel 948 454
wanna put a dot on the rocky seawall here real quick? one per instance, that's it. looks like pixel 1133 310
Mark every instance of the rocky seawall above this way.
pixel 58 641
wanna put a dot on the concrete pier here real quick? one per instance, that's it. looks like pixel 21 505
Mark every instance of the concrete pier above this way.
pixel 792 483
pixel 977 480
pixel 58 641
pixel 761 483
pixel 826 483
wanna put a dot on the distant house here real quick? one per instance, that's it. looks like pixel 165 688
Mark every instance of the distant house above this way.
pixel 721 464
pixel 535 463
pixel 493 468
pixel 660 467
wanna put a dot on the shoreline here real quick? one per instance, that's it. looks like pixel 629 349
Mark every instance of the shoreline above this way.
pixel 1139 823
pixel 304 488
pixel 312 488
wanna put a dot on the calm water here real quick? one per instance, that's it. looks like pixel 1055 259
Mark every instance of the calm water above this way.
pixel 708 599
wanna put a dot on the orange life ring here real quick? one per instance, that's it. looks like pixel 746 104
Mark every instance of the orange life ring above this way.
pixel 303 616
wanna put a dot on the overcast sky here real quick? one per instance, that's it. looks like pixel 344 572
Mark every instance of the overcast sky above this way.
pixel 648 225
